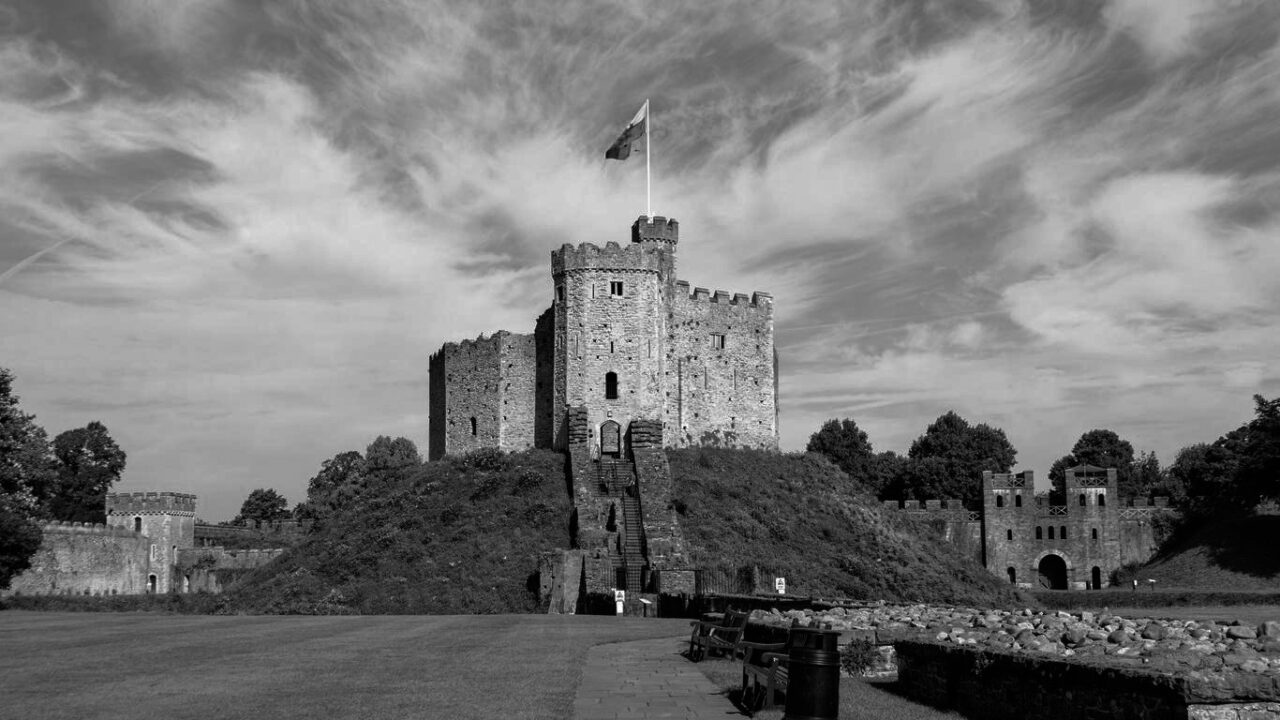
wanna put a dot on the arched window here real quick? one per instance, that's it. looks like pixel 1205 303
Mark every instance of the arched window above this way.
pixel 1017 500
pixel 1095 533
pixel 999 501
pixel 1008 534
pixel 473 426
pixel 1039 533
pixel 1062 532
pixel 137 524
pixel 1013 576
pixel 1102 500
pixel 611 386
pixel 1083 500
pixel 1050 532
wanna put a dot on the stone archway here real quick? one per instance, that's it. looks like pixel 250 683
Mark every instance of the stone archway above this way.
pixel 1052 570
pixel 610 438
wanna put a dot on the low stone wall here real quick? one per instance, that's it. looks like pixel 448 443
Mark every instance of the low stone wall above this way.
pixel 998 685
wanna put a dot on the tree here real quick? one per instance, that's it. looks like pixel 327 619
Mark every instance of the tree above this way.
pixel 89 462
pixel 262 505
pixel 844 444
pixel 26 472
pixel 386 457
pixel 20 537
pixel 26 460
pixel 958 453
pixel 340 479
pixel 1258 473
pixel 1101 448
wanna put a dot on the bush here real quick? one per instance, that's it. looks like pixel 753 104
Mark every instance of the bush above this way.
pixel 858 656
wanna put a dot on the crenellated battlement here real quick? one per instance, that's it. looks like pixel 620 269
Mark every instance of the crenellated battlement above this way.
pixel 613 257
pixel 701 294
pixel 656 229
pixel 483 343
pixel 950 509
pixel 80 528
pixel 628 342
pixel 150 502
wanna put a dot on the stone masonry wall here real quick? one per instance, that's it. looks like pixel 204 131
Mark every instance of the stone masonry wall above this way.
pixel 600 330
pixel 168 519
pixel 984 683
pixel 79 559
pixel 1093 533
pixel 719 373
pixel 993 685
pixel 197 569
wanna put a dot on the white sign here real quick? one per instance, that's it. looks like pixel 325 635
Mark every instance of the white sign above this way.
pixel 619 595
pixel 780 584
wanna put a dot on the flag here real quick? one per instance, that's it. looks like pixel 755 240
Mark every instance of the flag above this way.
pixel 634 138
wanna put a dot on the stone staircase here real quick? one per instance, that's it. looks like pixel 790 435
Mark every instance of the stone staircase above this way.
pixel 632 541
pixel 616 479
pixel 614 475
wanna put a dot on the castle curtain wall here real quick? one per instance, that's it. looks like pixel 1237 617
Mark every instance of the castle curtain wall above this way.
pixel 720 369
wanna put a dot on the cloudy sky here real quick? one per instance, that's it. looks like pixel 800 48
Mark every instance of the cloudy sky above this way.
pixel 234 230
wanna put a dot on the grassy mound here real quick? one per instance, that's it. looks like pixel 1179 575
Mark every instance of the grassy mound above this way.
pixel 1229 552
pixel 459 535
pixel 802 518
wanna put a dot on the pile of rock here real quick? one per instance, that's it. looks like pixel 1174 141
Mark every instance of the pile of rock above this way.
pixel 1177 646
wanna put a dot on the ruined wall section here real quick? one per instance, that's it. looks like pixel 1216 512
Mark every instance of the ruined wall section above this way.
pixel 609 319
pixel 470 402
pixel 167 519
pixel 720 374
pixel 86 559
pixel 950 521
pixel 206 569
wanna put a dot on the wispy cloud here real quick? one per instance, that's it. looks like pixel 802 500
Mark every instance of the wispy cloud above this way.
pixel 235 232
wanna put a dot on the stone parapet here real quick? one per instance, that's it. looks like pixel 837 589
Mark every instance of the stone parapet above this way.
pixel 140 503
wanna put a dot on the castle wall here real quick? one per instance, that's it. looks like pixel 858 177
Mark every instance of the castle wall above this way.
pixel 205 569
pixel 720 369
pixel 471 402
pixel 79 559
pixel 167 519
pixel 950 521
pixel 601 331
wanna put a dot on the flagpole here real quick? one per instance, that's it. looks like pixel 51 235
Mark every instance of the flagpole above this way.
pixel 648 155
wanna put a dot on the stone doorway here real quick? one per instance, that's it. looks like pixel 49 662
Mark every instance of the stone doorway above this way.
pixel 1053 572
pixel 611 438
pixel 1097 577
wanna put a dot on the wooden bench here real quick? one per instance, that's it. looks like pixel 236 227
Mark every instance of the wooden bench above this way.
pixel 764 670
pixel 716 637
pixel 764 673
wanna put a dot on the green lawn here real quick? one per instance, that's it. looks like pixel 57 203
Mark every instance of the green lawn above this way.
pixel 106 665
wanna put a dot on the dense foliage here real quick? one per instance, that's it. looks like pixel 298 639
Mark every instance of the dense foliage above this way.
pixel 89 462
pixel 946 462
pixel 458 535
pixel 67 479
pixel 262 505
pixel 26 466
pixel 799 516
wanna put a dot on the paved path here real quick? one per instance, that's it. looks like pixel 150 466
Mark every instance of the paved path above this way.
pixel 646 679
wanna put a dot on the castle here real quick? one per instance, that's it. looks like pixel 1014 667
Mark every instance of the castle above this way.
pixel 150 543
pixel 625 340
pixel 1032 543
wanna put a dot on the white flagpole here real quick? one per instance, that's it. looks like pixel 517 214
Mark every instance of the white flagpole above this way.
pixel 648 155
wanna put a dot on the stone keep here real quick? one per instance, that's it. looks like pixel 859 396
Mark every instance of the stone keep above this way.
pixel 627 341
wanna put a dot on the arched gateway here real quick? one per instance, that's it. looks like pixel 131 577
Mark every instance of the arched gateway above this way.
pixel 1053 572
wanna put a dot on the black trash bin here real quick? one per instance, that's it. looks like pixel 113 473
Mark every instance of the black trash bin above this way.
pixel 813 682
